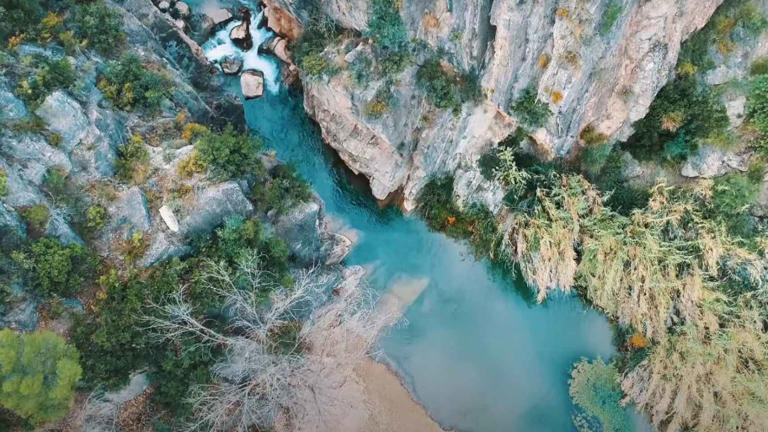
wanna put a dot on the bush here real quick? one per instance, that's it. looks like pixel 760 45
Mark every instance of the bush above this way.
pixel 38 372
pixel 593 157
pixel 733 194
pixel 3 182
pixel 759 66
pixel 315 65
pixel 53 75
pixel 385 25
pixel 757 110
pixel 530 110
pixel 191 165
pixel 445 87
pixel 594 387
pixel 100 26
pixel 133 164
pixel 284 190
pixel 55 269
pixel 230 154
pixel 17 16
pixel 36 217
pixel 307 50
pixel 683 112
pixel 96 217
pixel 129 84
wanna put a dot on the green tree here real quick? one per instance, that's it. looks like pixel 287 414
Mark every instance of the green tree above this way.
pixel 100 26
pixel 38 372
pixel 595 389
pixel 230 154
pixel 55 269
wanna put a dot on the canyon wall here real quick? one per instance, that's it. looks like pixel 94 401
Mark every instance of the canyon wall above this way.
pixel 589 72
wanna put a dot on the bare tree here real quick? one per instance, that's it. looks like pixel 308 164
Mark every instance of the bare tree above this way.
pixel 263 372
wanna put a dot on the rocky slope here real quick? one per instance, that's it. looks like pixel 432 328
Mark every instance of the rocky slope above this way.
pixel 589 71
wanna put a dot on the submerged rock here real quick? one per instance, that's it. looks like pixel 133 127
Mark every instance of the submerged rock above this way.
pixel 252 84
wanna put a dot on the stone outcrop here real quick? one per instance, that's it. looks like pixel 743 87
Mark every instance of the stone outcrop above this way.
pixel 212 206
pixel 241 33
pixel 586 75
pixel 252 84
pixel 281 21
pixel 304 231
pixel 231 65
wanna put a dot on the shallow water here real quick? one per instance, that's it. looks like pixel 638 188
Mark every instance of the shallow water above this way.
pixel 476 350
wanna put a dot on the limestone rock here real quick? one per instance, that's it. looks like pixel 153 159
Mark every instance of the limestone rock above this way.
pixel 241 36
pixel 164 6
pixel 182 9
pixel 65 117
pixel 711 162
pixel 10 224
pixel 100 413
pixel 59 229
pixel 216 17
pixel 20 312
pixel 169 218
pixel 252 84
pixel 212 206
pixel 304 232
pixel 13 107
pixel 736 109
pixel 231 65
pixel 130 212
pixel 281 21
pixel 164 247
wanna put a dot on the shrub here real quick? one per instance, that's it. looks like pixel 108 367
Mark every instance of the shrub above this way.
pixel 488 163
pixel 509 174
pixel 530 110
pixel 133 164
pixel 96 217
pixel 129 84
pixel 445 87
pixel 193 131
pixel 283 190
pixel 385 25
pixel 191 165
pixel 316 65
pixel 53 75
pixel 38 372
pixel 610 16
pixel 733 194
pixel 230 154
pixel 3 182
pixel 55 269
pixel 594 387
pixel 593 157
pixel 759 66
pixel 757 109
pixel 17 16
pixel 36 217
pixel 683 112
pixel 100 26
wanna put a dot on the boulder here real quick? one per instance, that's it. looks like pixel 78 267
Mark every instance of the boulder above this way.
pixel 65 117
pixel 13 107
pixel 130 212
pixel 231 65
pixel 711 162
pixel 164 6
pixel 303 230
pixel 282 21
pixel 20 311
pixel 212 206
pixel 215 18
pixel 279 47
pixel 241 36
pixel 10 225
pixel 182 9
pixel 61 231
pixel 163 248
pixel 166 213
pixel 252 84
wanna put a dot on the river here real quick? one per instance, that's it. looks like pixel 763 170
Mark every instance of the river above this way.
pixel 475 349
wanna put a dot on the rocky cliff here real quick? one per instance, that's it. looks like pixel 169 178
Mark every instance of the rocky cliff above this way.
pixel 594 63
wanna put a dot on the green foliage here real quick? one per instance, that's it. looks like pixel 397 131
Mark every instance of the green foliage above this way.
pixel 133 163
pixel 594 387
pixel 488 163
pixel 446 87
pixel 733 194
pixel 99 26
pixel 96 217
pixel 52 75
pixel 129 84
pixel 683 113
pixel 610 16
pixel 530 110
pixel 17 16
pixel 308 49
pixel 622 197
pixel 759 66
pixel 385 25
pixel 316 65
pixel 230 154
pixel 38 372
pixel 757 110
pixel 282 190
pixel 3 182
pixel 593 157
pixel 54 269
pixel 36 217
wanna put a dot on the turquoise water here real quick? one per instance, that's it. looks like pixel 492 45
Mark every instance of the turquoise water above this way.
pixel 475 348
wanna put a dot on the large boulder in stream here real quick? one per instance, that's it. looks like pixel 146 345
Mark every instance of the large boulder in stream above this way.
pixel 252 84
pixel 231 65
pixel 241 34
pixel 304 230
pixel 215 18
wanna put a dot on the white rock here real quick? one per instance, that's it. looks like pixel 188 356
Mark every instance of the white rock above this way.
pixel 183 9
pixel 252 84
pixel 169 218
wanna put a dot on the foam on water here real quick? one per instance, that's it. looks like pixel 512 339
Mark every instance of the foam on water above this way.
pixel 220 46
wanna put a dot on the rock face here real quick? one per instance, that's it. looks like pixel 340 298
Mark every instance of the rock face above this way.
pixel 252 84
pixel 130 212
pixel 586 74
pixel 711 162
pixel 13 108
pixel 281 21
